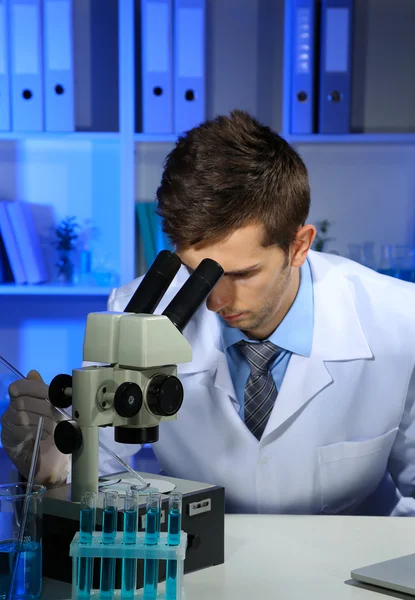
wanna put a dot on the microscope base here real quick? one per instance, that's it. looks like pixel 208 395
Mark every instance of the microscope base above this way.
pixel 202 520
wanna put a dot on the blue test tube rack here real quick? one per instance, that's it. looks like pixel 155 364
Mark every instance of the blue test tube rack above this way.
pixel 139 550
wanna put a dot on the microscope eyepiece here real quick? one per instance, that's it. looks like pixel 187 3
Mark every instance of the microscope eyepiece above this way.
pixel 154 284
pixel 194 291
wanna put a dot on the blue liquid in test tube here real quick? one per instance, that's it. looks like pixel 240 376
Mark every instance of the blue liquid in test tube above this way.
pixel 86 529
pixel 152 536
pixel 129 565
pixel 174 525
pixel 109 531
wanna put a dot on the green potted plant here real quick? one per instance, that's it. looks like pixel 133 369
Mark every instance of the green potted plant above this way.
pixel 66 237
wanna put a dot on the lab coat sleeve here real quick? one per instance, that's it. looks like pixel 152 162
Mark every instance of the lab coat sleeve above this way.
pixel 402 458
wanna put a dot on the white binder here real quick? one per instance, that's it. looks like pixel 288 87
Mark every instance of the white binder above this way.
pixel 26 65
pixel 4 68
pixel 157 66
pixel 189 63
pixel 58 65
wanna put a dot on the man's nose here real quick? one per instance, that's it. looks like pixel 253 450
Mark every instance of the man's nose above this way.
pixel 220 297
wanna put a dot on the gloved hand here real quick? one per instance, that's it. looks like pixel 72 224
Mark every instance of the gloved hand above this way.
pixel 28 401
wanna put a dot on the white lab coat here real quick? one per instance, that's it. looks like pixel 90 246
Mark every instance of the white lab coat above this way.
pixel 341 436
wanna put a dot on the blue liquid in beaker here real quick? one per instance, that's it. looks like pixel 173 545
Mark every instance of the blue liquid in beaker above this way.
pixel 28 581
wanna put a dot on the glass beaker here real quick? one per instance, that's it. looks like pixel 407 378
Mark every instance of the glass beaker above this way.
pixel 28 577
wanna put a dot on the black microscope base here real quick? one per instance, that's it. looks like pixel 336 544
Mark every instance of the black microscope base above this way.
pixel 202 520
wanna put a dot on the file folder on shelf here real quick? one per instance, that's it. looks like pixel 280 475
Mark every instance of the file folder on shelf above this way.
pixel 11 246
pixel 189 63
pixel 157 66
pixel 335 66
pixel 96 65
pixel 6 275
pixel 153 238
pixel 26 65
pixel 145 232
pixel 303 80
pixel 4 68
pixel 24 229
pixel 58 65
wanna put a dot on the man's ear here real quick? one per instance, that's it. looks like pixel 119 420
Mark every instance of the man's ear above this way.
pixel 302 244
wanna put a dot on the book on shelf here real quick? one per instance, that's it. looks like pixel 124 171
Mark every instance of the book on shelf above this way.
pixel 21 244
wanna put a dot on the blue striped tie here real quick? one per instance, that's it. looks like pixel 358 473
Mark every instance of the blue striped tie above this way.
pixel 260 390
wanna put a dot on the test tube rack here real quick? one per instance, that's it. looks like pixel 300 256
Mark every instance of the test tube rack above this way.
pixel 119 550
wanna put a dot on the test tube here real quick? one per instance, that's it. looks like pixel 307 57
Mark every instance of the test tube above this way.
pixel 151 538
pixel 174 525
pixel 86 529
pixel 109 531
pixel 129 565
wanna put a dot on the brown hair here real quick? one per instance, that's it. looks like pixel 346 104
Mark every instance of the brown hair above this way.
pixel 230 172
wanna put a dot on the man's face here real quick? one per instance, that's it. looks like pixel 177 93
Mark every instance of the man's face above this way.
pixel 259 284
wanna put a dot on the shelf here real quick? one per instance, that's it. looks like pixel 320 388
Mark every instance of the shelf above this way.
pixel 53 290
pixel 352 138
pixel 156 137
pixel 62 135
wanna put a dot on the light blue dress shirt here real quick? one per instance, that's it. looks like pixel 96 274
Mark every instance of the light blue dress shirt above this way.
pixel 294 335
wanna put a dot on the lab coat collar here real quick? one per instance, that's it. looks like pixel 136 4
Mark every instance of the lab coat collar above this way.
pixel 338 333
pixel 337 336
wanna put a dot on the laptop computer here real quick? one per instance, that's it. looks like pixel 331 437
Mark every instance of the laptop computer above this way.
pixel 397 574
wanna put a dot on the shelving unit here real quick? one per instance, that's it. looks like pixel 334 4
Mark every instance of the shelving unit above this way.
pixel 363 182
pixel 53 290
pixel 353 138
pixel 92 136
pixel 155 137
pixel 88 174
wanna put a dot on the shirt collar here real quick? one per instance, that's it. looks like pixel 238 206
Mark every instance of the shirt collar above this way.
pixel 295 332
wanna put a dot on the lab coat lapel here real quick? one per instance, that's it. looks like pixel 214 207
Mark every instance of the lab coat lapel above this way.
pixel 337 336
pixel 203 333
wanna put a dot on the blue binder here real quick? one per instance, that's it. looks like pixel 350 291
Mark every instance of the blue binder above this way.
pixel 58 65
pixel 335 66
pixel 157 66
pixel 303 101
pixel 26 65
pixel 189 63
pixel 4 68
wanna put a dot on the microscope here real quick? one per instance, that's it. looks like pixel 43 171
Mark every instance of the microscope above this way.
pixel 132 386
pixel 135 386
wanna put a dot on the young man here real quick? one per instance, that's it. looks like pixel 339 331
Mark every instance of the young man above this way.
pixel 300 395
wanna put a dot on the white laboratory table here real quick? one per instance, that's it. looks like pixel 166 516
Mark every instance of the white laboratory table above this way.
pixel 293 558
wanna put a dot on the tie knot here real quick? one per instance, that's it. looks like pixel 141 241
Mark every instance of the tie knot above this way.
pixel 259 355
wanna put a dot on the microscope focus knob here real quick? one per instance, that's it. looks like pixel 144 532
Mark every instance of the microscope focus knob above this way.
pixel 60 391
pixel 68 437
pixel 128 399
pixel 164 395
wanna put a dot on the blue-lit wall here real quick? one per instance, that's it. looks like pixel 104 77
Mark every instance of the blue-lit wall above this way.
pixel 366 190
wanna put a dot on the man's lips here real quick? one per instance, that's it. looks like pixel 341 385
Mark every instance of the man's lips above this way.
pixel 232 317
